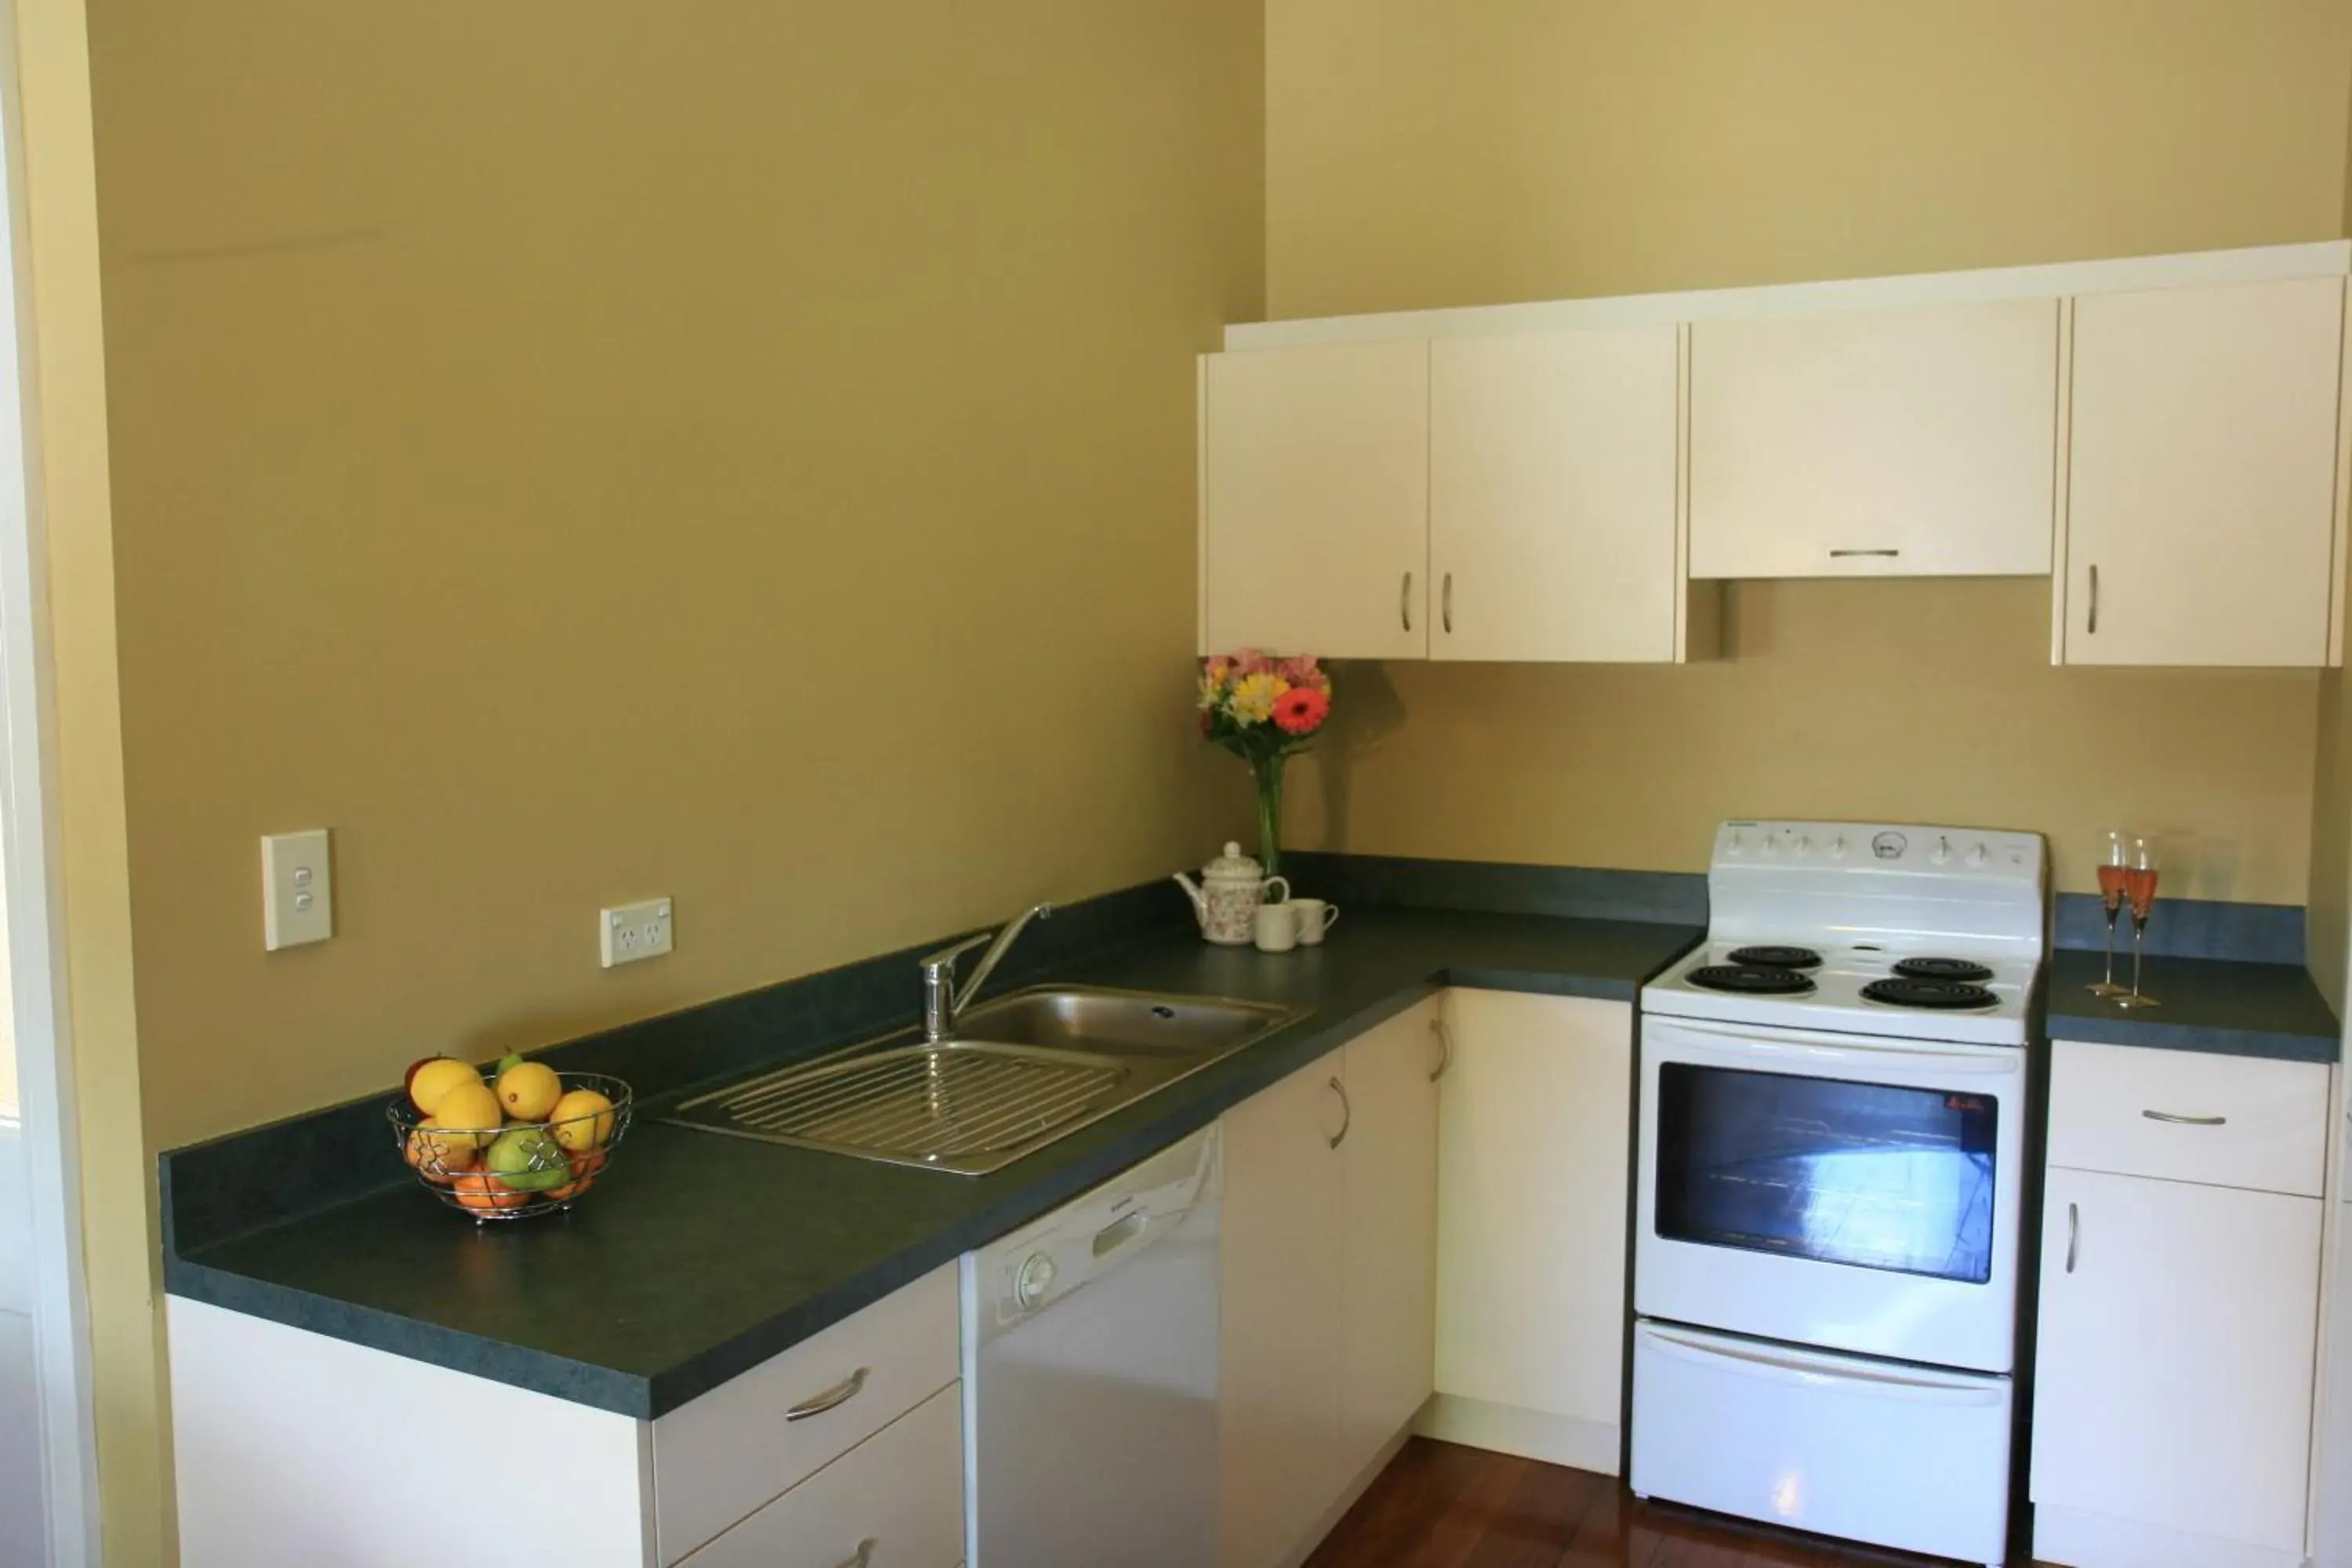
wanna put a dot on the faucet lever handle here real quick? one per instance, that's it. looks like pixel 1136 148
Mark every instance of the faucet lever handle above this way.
pixel 944 961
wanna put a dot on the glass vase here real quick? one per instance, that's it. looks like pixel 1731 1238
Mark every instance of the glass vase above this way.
pixel 1266 774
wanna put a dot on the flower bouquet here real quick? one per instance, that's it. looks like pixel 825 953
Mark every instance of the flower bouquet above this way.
pixel 1262 709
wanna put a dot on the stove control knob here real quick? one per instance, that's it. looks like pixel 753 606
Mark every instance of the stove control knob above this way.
pixel 1837 848
pixel 1942 852
pixel 1978 855
pixel 1804 844
pixel 1769 847
pixel 1738 846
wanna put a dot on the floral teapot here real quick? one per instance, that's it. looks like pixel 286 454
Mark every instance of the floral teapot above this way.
pixel 1227 896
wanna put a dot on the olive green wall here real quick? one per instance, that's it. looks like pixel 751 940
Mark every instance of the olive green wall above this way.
pixel 1432 152
pixel 589 450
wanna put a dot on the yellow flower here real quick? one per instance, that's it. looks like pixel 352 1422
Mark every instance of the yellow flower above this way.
pixel 1253 695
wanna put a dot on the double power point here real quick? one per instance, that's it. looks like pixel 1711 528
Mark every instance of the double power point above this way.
pixel 628 932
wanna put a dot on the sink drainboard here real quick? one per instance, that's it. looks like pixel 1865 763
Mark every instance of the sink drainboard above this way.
pixel 954 1107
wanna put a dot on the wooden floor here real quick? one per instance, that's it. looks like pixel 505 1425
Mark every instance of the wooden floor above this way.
pixel 1441 1506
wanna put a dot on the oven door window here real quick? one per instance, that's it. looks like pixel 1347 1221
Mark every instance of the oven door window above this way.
pixel 1875 1176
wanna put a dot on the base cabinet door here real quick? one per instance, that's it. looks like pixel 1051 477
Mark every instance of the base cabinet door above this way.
pixel 1389 1173
pixel 2175 1360
pixel 1534 1144
pixel 1280 1364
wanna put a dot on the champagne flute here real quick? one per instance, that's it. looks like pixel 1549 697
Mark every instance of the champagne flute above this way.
pixel 2114 862
pixel 2139 890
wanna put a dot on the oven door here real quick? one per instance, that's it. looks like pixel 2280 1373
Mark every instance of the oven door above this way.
pixel 1844 1191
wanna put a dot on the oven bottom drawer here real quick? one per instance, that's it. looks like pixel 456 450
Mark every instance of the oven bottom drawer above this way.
pixel 1870 1451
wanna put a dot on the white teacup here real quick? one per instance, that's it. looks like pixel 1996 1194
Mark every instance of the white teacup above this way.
pixel 1278 928
pixel 1314 917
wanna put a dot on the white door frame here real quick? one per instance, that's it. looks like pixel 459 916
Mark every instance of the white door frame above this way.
pixel 30 872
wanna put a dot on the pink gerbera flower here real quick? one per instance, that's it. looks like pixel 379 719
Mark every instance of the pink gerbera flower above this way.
pixel 1301 709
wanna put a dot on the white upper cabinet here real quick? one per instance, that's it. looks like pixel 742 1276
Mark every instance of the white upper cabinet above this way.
pixel 1552 468
pixel 1916 442
pixel 2200 489
pixel 1315 500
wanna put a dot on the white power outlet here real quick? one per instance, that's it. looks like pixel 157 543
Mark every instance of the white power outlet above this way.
pixel 628 932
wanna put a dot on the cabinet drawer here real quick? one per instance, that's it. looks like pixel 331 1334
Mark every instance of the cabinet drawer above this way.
pixel 901 1489
pixel 2229 1121
pixel 720 1457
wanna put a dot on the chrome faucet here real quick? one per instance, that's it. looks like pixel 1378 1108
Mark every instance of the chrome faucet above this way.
pixel 942 1000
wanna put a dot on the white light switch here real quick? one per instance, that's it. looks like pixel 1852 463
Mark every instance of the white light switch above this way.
pixel 628 932
pixel 298 891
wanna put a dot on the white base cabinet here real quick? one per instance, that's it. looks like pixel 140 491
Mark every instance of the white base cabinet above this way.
pixel 2178 1316
pixel 291 1446
pixel 1535 1123
pixel 1329 1282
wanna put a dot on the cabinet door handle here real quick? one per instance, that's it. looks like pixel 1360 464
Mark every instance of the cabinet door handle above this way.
pixel 863 1555
pixel 1446 598
pixel 2091 625
pixel 2073 1234
pixel 1346 1113
pixel 1842 554
pixel 1444 1048
pixel 2186 1120
pixel 1404 602
pixel 832 1398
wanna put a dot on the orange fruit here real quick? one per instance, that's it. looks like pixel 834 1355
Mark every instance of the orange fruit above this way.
pixel 481 1190
pixel 585 1166
pixel 437 1159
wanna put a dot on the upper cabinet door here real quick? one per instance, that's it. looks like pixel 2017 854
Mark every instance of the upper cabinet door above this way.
pixel 1551 496
pixel 1314 504
pixel 2200 486
pixel 1914 442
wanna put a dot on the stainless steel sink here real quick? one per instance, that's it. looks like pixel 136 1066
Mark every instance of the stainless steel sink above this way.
pixel 1019 1072
pixel 1123 1023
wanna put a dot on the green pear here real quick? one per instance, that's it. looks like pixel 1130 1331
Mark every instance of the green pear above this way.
pixel 528 1160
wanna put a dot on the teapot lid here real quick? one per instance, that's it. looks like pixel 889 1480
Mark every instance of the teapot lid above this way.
pixel 1233 865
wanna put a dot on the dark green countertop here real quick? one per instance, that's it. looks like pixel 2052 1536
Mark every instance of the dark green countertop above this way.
pixel 700 1256
pixel 2210 1004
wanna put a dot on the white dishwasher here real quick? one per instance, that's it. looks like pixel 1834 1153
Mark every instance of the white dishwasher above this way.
pixel 1090 1375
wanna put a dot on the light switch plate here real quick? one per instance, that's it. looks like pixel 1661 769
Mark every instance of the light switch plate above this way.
pixel 298 889
pixel 628 932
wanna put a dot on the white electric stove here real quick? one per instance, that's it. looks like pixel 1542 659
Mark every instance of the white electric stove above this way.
pixel 1833 1110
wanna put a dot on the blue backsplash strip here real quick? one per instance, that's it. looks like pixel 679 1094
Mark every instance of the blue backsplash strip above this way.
pixel 2178 928
pixel 2188 928
pixel 1673 897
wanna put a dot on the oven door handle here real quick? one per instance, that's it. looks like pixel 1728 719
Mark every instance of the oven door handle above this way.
pixel 1998 1061
pixel 1841 1375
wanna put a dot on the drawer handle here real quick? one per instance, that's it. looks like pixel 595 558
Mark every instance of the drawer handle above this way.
pixel 2186 1120
pixel 1842 554
pixel 1404 602
pixel 864 1555
pixel 1444 1048
pixel 832 1398
pixel 1346 1113
pixel 2073 1234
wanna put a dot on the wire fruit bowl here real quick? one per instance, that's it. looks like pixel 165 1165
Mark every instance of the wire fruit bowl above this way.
pixel 539 1174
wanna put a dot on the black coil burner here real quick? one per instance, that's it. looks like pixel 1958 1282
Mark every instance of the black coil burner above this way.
pixel 1949 995
pixel 1942 969
pixel 1778 957
pixel 1749 979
